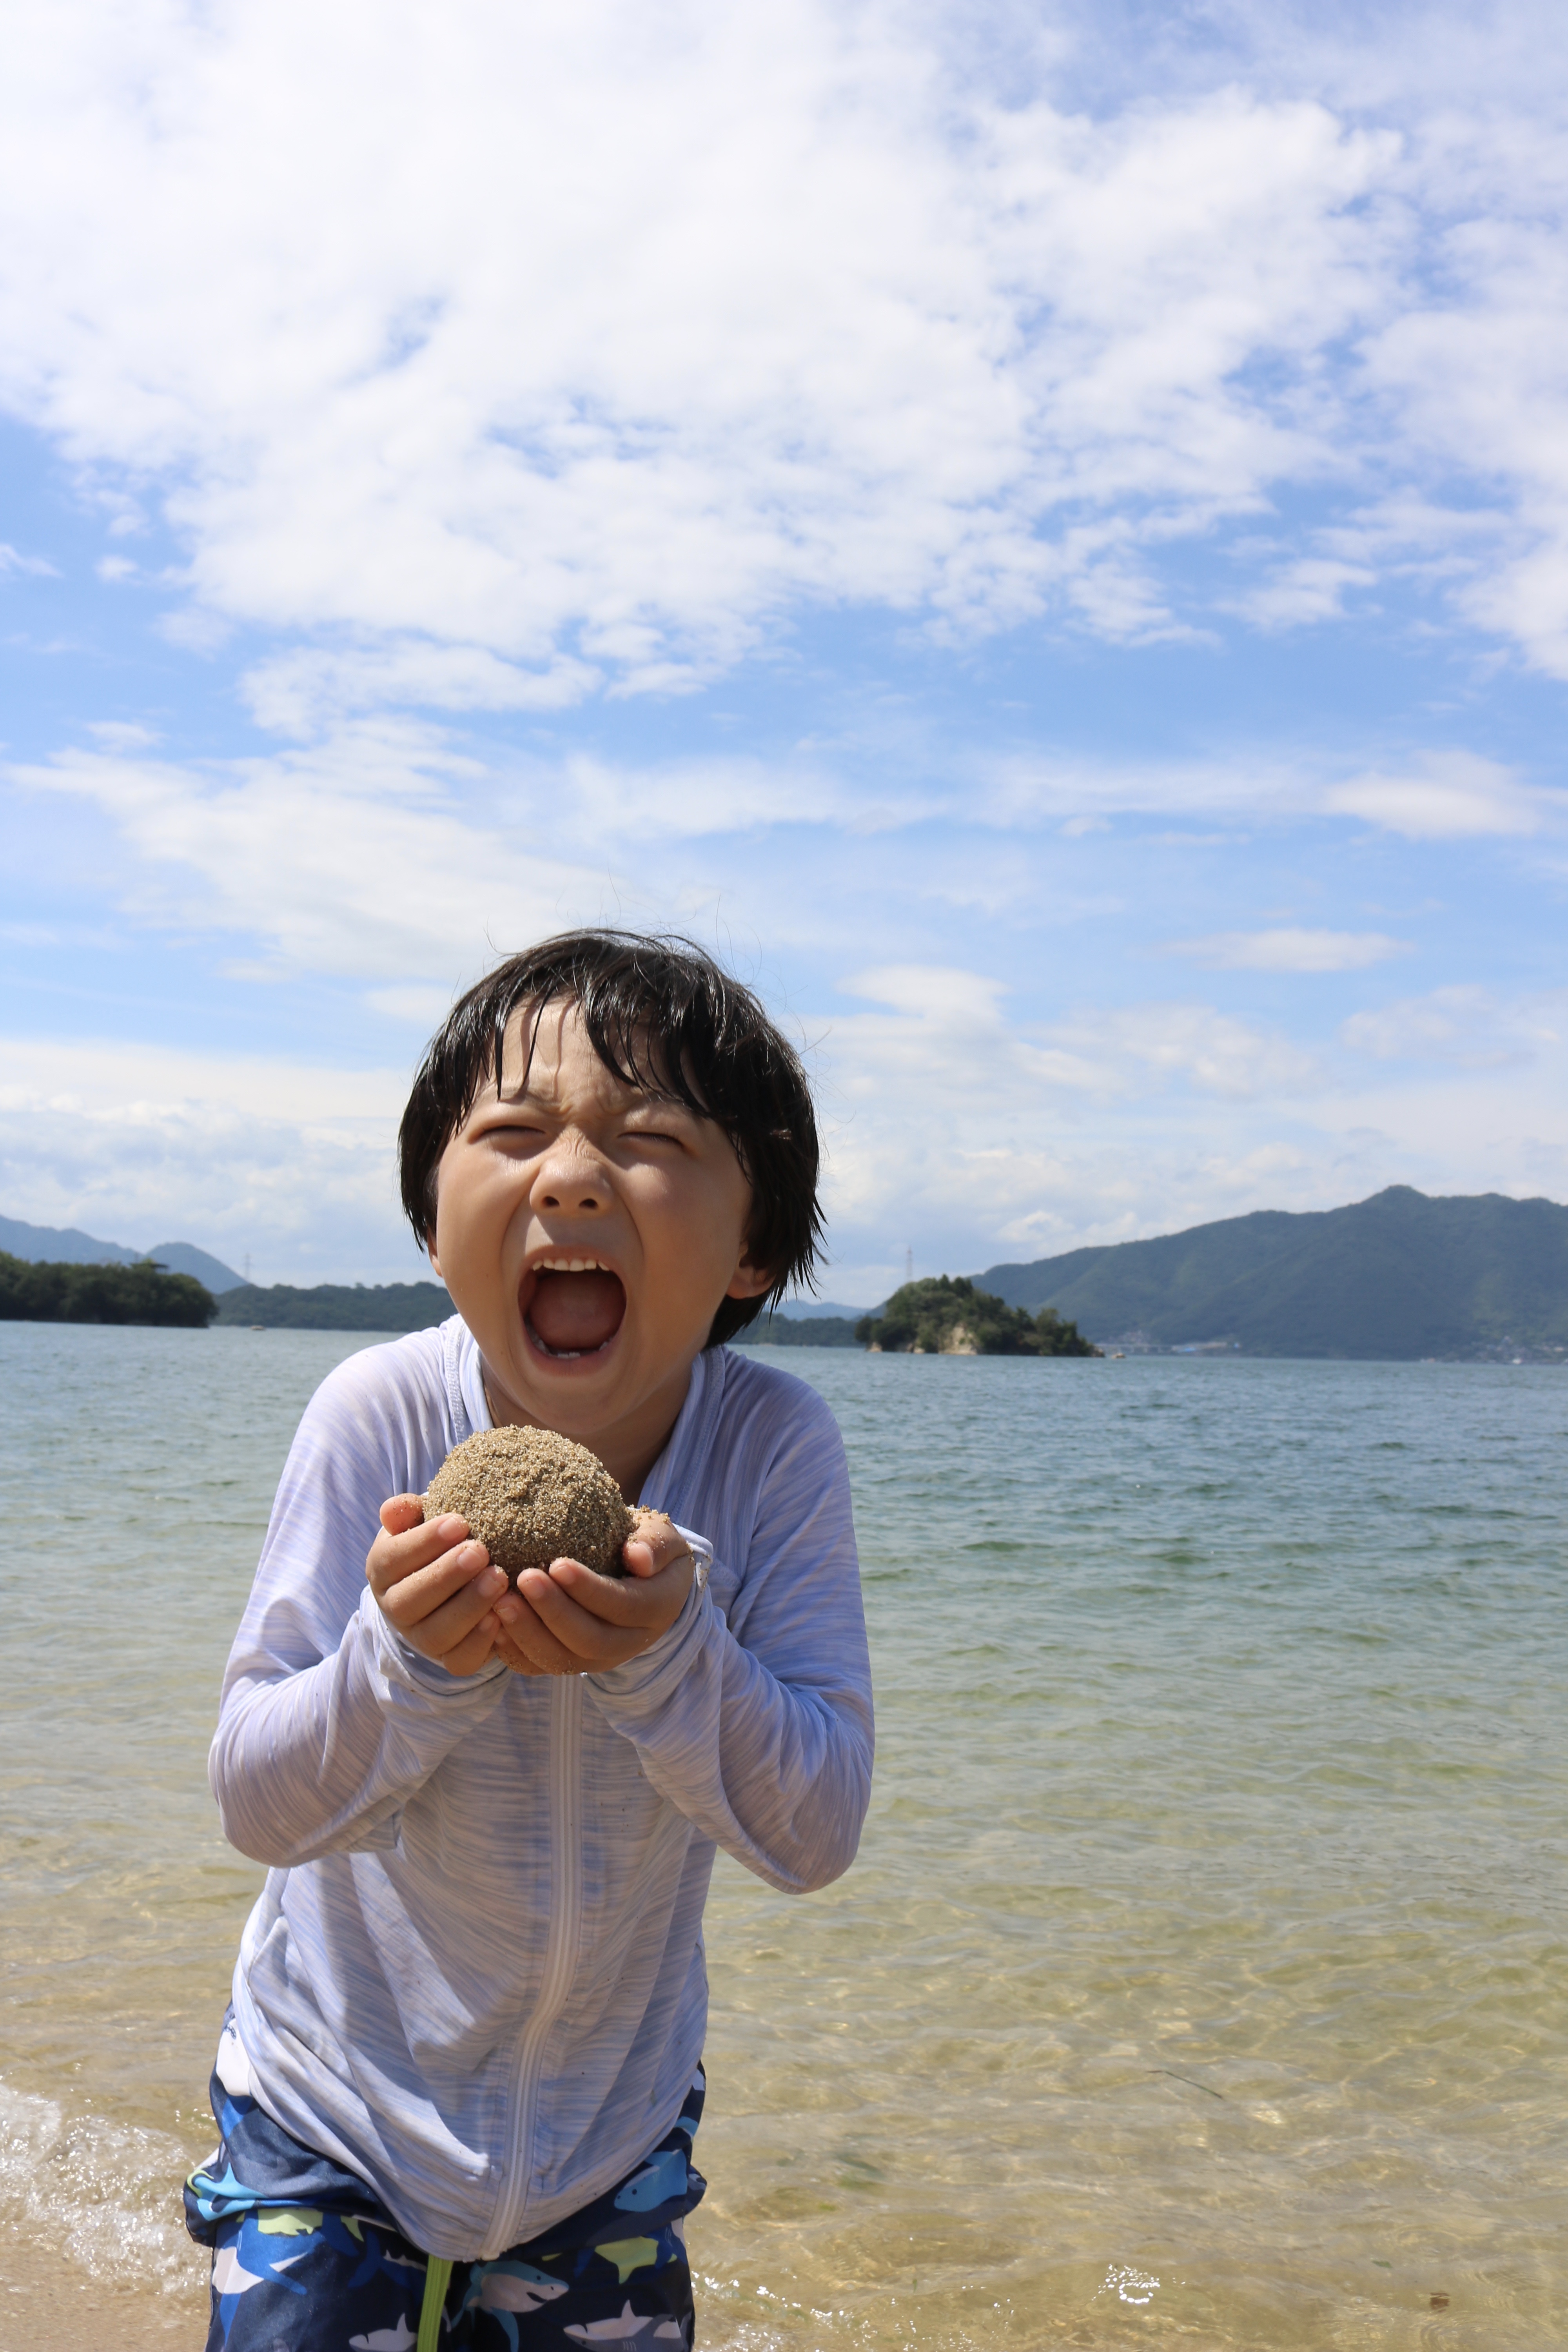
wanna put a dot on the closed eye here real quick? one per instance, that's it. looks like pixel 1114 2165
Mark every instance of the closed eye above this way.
pixel 510 1133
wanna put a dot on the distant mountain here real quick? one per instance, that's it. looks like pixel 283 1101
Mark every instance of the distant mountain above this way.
pixel 67 1246
pixel 798 1332
pixel 62 1245
pixel 183 1257
pixel 805 1310
pixel 337 1307
pixel 1399 1275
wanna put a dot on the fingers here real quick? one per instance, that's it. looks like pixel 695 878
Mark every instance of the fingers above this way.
pixel 553 1630
pixel 528 1645
pixel 439 1589
pixel 654 1546
pixel 645 1558
pixel 468 1656
pixel 571 1621
pixel 416 1599
pixel 435 1585
pixel 507 1650
pixel 651 1598
pixel 450 1625
pixel 645 1561
pixel 401 1551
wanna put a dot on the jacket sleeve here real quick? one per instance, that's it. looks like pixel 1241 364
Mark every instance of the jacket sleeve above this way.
pixel 329 1720
pixel 755 1719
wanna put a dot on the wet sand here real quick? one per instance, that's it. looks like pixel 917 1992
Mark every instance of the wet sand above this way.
pixel 50 2303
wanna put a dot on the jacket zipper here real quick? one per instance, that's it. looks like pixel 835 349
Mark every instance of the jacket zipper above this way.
pixel 561 1952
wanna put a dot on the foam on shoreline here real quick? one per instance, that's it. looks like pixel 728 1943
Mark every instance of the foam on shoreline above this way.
pixel 104 2195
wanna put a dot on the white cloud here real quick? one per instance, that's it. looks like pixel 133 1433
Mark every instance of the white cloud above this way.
pixel 1446 795
pixel 303 693
pixel 1137 1045
pixel 1478 372
pixel 1474 1027
pixel 952 1132
pixel 946 1127
pixel 589 339
pixel 1309 589
pixel 135 1143
pixel 1440 795
pixel 513 355
pixel 1490 1129
pixel 1289 950
pixel 114 735
pixel 503 357
pixel 684 799
pixel 941 997
pixel 935 1091
pixel 12 560
pixel 389 854
pixel 353 857
pixel 953 1128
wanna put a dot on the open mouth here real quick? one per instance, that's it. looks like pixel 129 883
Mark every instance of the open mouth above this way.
pixel 576 1307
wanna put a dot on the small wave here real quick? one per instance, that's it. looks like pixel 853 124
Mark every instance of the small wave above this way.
pixel 105 2194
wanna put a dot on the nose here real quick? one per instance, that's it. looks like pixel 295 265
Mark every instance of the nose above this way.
pixel 570 1176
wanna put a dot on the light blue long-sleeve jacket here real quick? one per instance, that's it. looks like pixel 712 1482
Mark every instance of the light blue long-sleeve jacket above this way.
pixel 475 1975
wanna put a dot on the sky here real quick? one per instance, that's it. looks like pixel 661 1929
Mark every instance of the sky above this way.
pixel 1038 535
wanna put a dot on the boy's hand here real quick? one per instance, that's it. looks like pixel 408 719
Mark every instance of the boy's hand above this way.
pixel 437 1589
pixel 570 1621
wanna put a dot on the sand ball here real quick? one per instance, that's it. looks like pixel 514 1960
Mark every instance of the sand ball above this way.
pixel 530 1497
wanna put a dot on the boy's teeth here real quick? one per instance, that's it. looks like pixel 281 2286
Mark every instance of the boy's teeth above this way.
pixel 570 1266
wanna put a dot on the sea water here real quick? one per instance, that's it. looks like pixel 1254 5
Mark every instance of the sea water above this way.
pixel 1202 1978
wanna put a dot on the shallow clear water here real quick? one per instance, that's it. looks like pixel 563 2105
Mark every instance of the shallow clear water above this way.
pixel 1203 1975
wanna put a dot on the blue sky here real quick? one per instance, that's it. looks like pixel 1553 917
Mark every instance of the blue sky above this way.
pixel 1040 534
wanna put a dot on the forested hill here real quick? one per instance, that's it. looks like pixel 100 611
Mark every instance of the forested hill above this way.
pixel 337 1307
pixel 1398 1276
pixel 69 1291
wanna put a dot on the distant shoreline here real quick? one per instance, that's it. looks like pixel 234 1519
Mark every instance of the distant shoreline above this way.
pixel 1402 1278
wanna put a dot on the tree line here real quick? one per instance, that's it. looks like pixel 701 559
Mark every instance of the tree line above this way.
pixel 42 1291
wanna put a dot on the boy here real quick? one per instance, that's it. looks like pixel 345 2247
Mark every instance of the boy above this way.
pixel 459 2083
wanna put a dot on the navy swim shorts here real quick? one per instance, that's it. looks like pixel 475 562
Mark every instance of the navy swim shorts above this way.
pixel 305 2259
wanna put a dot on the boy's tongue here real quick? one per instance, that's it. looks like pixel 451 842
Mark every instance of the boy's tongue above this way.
pixel 573 1312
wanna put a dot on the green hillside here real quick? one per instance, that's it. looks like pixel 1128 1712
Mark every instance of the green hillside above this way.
pixel 44 1291
pixel 337 1307
pixel 1398 1276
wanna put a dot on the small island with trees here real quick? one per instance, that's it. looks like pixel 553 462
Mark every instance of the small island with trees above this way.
pixel 947 1316
pixel 35 1291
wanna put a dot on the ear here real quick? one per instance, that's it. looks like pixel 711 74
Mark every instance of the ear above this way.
pixel 749 1281
pixel 434 1261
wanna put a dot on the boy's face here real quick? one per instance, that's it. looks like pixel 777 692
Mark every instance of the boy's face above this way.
pixel 587 1234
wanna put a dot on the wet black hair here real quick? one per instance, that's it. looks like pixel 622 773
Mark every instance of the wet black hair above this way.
pixel 668 1020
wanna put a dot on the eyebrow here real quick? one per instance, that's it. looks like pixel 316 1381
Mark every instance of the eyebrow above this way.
pixel 531 1095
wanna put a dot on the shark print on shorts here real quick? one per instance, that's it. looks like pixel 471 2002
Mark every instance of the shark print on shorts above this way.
pixel 306 2259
